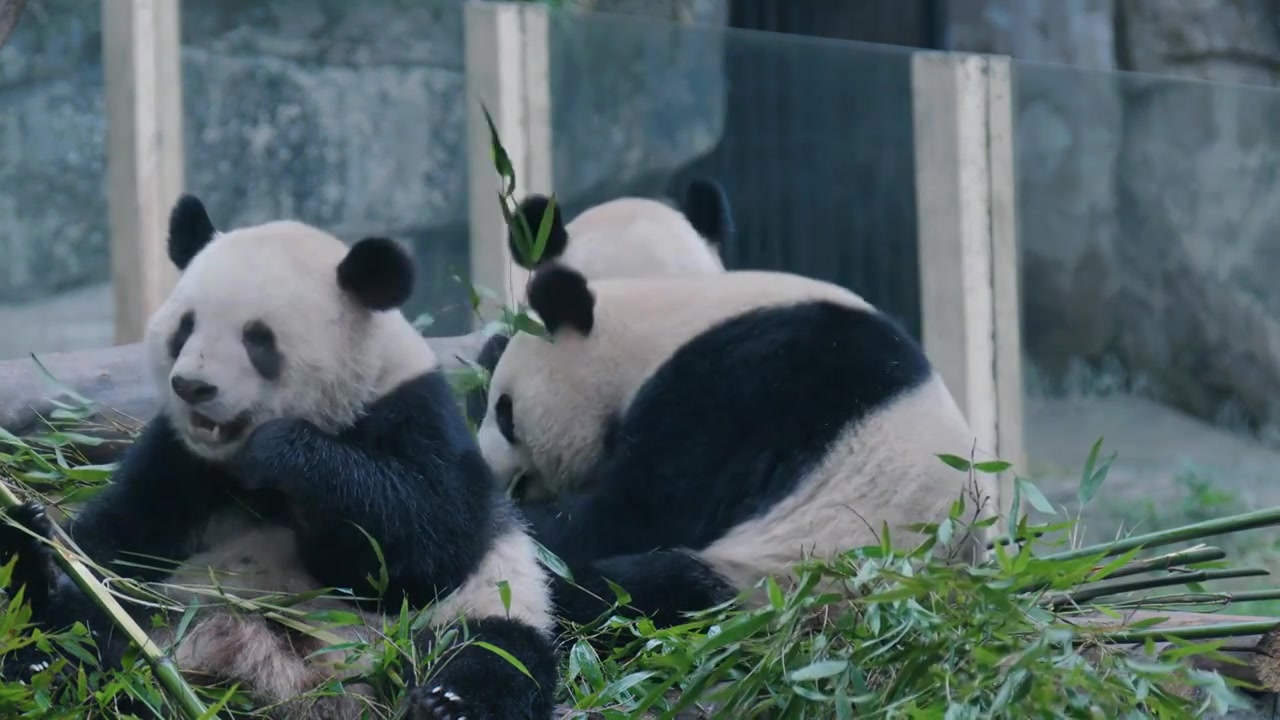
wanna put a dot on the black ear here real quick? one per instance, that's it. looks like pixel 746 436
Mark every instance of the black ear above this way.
pixel 706 206
pixel 378 272
pixel 561 298
pixel 490 354
pixel 532 209
pixel 190 229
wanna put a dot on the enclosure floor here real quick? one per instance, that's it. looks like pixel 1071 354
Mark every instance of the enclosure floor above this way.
pixel 1154 444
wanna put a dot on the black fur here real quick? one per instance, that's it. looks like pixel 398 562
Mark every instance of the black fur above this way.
pixel 378 272
pixel 533 209
pixel 490 354
pixel 706 207
pixel 408 473
pixel 263 351
pixel 190 229
pixel 182 333
pixel 718 435
pixel 561 297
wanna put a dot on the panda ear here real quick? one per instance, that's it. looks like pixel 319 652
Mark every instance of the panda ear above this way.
pixel 706 207
pixel 190 229
pixel 532 209
pixel 378 272
pixel 560 296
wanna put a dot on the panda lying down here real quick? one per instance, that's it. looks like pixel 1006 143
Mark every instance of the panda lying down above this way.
pixel 685 436
pixel 300 411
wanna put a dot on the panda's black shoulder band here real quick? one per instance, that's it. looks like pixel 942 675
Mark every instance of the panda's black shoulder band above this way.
pixel 378 272
pixel 561 297
pixel 533 209
pixel 190 229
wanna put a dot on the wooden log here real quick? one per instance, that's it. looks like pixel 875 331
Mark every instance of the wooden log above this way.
pixel 1258 654
pixel 118 383
pixel 10 10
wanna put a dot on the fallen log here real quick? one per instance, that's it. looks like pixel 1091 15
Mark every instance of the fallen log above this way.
pixel 116 380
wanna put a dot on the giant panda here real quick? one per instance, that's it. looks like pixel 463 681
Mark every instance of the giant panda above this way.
pixel 686 436
pixel 634 236
pixel 301 410
pixel 624 237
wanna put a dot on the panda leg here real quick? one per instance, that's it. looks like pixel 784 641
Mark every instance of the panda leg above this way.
pixel 474 683
pixel 663 585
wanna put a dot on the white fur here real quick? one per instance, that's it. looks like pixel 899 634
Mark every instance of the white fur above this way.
pixel 514 560
pixel 884 467
pixel 636 237
pixel 881 470
pixel 340 357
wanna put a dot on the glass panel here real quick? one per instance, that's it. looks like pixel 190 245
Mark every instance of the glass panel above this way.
pixel 55 274
pixel 1149 240
pixel 811 138
pixel 346 115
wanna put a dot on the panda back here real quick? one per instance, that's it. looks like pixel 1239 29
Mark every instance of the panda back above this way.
pixel 784 424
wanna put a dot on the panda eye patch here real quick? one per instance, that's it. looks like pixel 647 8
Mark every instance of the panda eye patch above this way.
pixel 186 326
pixel 260 344
pixel 502 414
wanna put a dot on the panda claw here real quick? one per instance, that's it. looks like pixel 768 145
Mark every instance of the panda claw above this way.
pixel 438 704
pixel 31 515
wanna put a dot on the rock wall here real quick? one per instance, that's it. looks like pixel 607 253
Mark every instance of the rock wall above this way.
pixel 1149 205
pixel 346 114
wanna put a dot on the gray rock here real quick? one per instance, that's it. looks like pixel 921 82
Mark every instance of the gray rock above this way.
pixel 1148 205
pixel 347 115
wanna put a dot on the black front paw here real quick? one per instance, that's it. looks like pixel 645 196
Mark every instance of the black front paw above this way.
pixel 34 569
pixel 263 464
pixel 436 704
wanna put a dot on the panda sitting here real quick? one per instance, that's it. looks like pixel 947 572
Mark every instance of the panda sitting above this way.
pixel 300 411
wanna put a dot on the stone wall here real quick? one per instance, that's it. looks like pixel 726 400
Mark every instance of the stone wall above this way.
pixel 1148 204
pixel 346 114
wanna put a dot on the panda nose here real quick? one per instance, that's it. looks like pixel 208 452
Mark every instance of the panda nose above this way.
pixel 193 392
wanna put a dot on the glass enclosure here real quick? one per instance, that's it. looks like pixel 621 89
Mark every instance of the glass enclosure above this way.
pixel 55 275
pixel 1149 237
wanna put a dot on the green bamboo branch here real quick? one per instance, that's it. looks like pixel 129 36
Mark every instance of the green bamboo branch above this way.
pixel 1093 592
pixel 1190 556
pixel 1195 632
pixel 1195 531
pixel 1207 598
pixel 163 666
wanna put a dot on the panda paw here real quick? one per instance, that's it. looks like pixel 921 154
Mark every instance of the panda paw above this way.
pixel 267 452
pixel 31 516
pixel 436 704
pixel 34 569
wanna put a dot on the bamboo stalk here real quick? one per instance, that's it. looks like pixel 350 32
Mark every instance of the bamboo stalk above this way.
pixel 1190 556
pixel 163 666
pixel 1093 592
pixel 1194 632
pixel 1206 598
pixel 1196 531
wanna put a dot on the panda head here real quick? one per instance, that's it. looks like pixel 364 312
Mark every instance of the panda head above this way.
pixel 632 236
pixel 276 320
pixel 548 402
